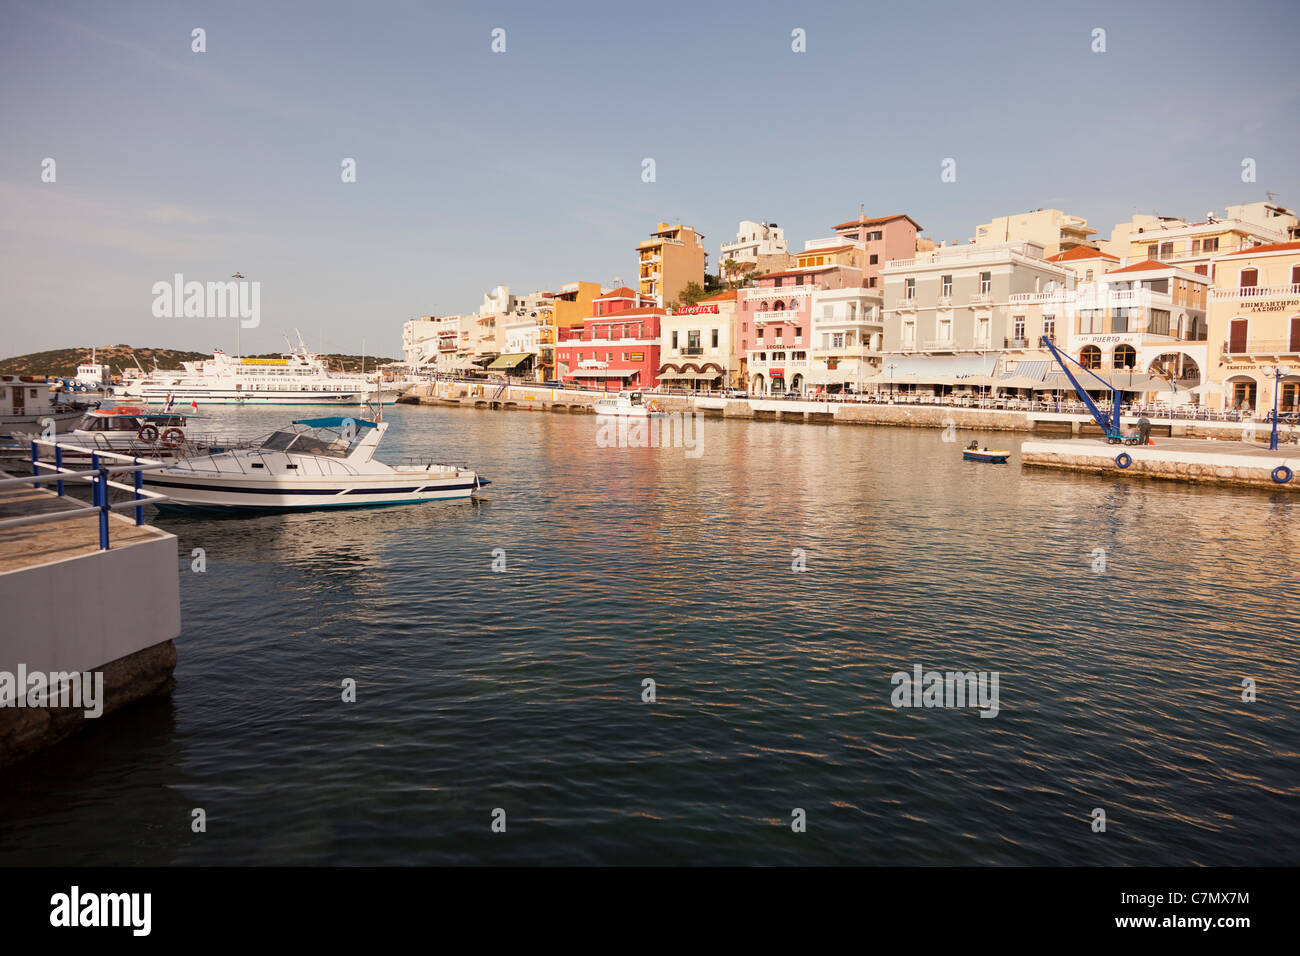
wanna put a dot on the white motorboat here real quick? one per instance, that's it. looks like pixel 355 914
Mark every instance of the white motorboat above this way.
pixel 131 430
pixel 630 404
pixel 298 377
pixel 29 405
pixel 314 463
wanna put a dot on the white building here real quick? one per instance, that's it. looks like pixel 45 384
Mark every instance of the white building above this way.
pixel 757 243
pixel 847 332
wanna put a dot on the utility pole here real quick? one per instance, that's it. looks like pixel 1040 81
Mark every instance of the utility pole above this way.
pixel 239 310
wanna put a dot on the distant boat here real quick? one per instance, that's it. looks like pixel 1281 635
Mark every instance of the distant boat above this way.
pixel 630 404
pixel 313 463
pixel 298 377
pixel 28 403
pixel 973 452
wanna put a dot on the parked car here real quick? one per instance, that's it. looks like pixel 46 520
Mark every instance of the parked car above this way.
pixel 735 393
pixel 553 384
pixel 792 396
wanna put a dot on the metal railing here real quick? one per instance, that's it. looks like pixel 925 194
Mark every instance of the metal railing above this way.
pixel 97 476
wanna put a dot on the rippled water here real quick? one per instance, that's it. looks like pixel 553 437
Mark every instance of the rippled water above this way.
pixel 522 690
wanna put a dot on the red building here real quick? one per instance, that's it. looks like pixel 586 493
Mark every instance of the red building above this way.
pixel 616 349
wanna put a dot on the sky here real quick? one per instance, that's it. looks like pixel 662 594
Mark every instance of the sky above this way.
pixel 477 168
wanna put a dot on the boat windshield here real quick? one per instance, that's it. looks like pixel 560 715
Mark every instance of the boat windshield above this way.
pixel 308 443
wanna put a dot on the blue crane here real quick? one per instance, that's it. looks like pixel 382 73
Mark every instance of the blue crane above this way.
pixel 1109 422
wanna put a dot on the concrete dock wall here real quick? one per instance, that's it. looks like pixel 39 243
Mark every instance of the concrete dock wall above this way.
pixel 1176 461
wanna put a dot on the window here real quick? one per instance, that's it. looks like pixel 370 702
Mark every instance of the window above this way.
pixel 986 283
pixel 715 339
pixel 1249 278
pixel 1049 327
pixel 1119 320
pixel 799 331
pixel 1090 321
pixel 1018 328
pixel 909 291
pixel 1152 250
pixel 909 333
pixel 1158 322
pixel 779 280
pixel 1211 245
pixel 871 283
pixel 1295 277
pixel 1166 248
pixel 875 259
pixel 674 340
pixel 945 330
pixel 1125 356
pixel 1090 357
pixel 945 285
pixel 1087 276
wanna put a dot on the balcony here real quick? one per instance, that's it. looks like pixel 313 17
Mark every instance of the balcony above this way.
pixel 908 304
pixel 981 298
pixel 940 345
pixel 691 350
pixel 1264 347
pixel 1257 292
pixel 1018 344
pixel 945 301
pixel 783 315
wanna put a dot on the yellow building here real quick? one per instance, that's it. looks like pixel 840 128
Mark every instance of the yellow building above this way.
pixel 672 258
pixel 1052 229
pixel 573 303
pixel 1254 323
pixel 1194 245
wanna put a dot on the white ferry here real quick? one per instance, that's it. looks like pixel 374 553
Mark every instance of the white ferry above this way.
pixel 298 377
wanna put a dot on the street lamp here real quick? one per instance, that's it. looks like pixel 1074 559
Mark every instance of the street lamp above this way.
pixel 891 366
pixel 239 310
pixel 1278 372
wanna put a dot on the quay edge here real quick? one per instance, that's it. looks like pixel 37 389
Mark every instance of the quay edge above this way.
pixel 1188 460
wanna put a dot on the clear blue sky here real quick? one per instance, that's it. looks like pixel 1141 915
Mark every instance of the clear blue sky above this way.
pixel 476 169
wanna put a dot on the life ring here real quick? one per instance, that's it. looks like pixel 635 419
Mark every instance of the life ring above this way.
pixel 172 437
pixel 1123 459
pixel 1282 474
pixel 147 433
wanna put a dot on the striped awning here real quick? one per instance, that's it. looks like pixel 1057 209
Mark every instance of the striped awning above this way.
pixel 509 361
pixel 1035 369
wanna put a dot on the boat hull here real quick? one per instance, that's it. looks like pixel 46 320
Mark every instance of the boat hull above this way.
pixel 184 396
pixel 988 457
pixel 209 491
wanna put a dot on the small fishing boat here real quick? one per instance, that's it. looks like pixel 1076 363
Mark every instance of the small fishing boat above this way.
pixel 995 456
pixel 630 404
pixel 312 463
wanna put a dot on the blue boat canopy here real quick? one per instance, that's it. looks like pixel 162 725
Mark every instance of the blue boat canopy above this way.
pixel 335 422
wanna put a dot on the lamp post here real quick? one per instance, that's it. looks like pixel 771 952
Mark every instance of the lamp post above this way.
pixel 1278 372
pixel 891 366
pixel 239 310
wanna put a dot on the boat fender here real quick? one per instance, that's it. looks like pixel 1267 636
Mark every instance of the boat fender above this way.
pixel 1282 474
pixel 147 433
pixel 1123 459
pixel 173 437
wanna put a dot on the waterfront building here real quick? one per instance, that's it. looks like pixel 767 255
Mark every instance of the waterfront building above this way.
pixel 1052 229
pixel 617 347
pixel 1254 325
pixel 881 239
pixel 759 247
pixel 1146 319
pixel 672 258
pixel 775 320
pixel 1194 245
pixel 847 330
pixel 438 343
pixel 698 347
pixel 947 313
pixel 572 305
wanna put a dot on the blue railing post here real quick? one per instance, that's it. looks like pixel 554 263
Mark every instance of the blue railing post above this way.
pixel 36 457
pixel 103 509
pixel 139 482
pixel 58 465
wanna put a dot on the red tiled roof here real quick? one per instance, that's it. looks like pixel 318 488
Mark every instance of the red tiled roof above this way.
pixel 622 292
pixel 818 252
pixel 800 272
pixel 1266 249
pixel 873 222
pixel 728 296
pixel 1150 265
pixel 1081 252
pixel 621 313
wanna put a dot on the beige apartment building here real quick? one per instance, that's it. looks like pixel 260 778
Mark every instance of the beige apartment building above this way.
pixel 1254 327
pixel 698 346
pixel 1194 245
pixel 1052 229
pixel 672 258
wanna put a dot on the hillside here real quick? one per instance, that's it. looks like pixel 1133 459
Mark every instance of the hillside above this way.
pixel 63 363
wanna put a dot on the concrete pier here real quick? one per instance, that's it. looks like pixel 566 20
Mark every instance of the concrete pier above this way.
pixel 1175 459
pixel 70 607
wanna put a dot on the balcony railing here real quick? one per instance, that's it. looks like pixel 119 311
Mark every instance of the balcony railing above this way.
pixel 1016 343
pixel 1264 347
pixel 1256 292
pixel 782 315
pixel 981 298
pixel 691 350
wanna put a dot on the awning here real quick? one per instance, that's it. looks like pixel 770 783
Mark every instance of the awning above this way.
pixel 601 373
pixel 688 374
pixel 1037 370
pixel 510 361
pixel 955 365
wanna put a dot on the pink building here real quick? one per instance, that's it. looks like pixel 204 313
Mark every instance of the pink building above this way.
pixel 617 348
pixel 882 239
pixel 773 324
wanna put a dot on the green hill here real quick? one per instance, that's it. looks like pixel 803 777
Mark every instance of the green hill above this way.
pixel 62 363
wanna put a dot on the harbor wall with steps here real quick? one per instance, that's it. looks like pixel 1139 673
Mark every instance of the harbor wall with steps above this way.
pixel 568 401
pixel 1244 466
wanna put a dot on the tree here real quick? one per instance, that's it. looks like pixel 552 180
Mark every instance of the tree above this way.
pixel 691 295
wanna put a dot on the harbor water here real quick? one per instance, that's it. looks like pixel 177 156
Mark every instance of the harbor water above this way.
pixel 1121 617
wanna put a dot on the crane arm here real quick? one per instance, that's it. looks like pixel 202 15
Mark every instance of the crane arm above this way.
pixel 1109 423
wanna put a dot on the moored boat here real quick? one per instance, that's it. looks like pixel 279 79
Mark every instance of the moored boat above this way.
pixel 313 463
pixel 995 456
pixel 630 404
